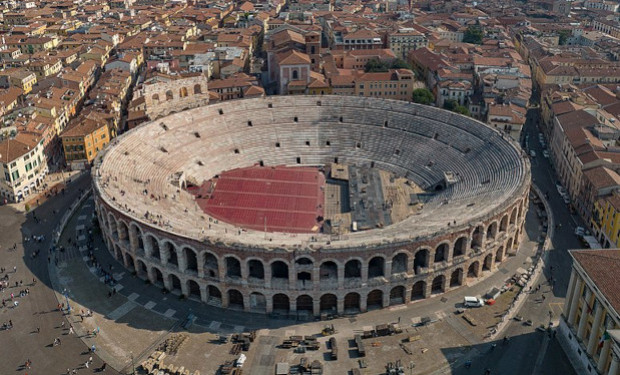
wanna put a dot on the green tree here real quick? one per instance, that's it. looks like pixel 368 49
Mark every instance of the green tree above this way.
pixel 423 96
pixel 376 65
pixel 400 64
pixel 473 35
pixel 462 110
pixel 564 34
pixel 454 106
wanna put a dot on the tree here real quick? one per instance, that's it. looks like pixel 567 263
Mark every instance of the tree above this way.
pixel 423 96
pixel 376 65
pixel 473 35
pixel 564 34
pixel 454 106
pixel 400 64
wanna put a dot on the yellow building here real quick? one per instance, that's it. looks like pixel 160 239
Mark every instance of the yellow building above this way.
pixel 589 324
pixel 21 78
pixel 83 139
pixel 396 84
pixel 606 220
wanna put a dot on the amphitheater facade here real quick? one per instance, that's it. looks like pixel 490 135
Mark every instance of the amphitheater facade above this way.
pixel 467 227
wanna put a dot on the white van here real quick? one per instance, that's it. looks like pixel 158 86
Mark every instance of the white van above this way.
pixel 473 302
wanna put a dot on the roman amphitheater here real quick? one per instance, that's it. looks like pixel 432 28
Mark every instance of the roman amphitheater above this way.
pixel 305 205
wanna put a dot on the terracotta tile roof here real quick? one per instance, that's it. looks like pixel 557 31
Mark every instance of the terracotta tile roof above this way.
pixel 602 177
pixel 12 149
pixel 293 57
pixel 602 267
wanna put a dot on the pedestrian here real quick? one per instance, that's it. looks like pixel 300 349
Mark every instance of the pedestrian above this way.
pixel 93 348
pixel 38 330
pixel 90 359
pixel 543 297
pixel 86 364
pixel 103 366
pixel 62 324
pixel 70 330
pixel 14 269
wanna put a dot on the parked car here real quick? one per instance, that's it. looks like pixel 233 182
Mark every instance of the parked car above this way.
pixel 533 153
pixel 473 302
pixel 546 154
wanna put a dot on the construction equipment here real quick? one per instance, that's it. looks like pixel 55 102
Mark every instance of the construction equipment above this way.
pixel 328 330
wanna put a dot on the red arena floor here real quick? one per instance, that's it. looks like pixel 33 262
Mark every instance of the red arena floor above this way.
pixel 276 199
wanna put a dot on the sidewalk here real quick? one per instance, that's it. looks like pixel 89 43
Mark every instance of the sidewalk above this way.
pixel 53 182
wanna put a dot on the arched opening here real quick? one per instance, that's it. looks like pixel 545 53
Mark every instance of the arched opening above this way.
pixel 499 254
pixel 113 227
pixel 211 268
pixel 235 299
pixel 488 262
pixel 281 302
pixel 138 241
pixel 420 260
pixel 214 296
pixel 438 285
pixel 352 302
pixel 376 267
pixel 397 295
pixel 304 268
pixel 197 89
pixel 492 231
pixel 279 270
pixel 456 279
pixel 503 225
pixel 123 233
pixel 129 262
pixel 399 263
pixel 520 211
pixel 175 283
pixel 460 246
pixel 473 270
pixel 328 272
pixel 191 259
pixel 154 246
pixel 118 254
pixel 375 299
pixel 301 262
pixel 513 216
pixel 353 269
pixel 256 269
pixel 418 291
pixel 183 92
pixel 304 303
pixel 329 303
pixel 193 289
pixel 509 245
pixel 172 255
pixel 258 302
pixel 233 267
pixel 142 270
pixel 304 276
pixel 295 74
pixel 159 277
pixel 441 253
pixel 169 95
pixel 476 240
pixel 155 98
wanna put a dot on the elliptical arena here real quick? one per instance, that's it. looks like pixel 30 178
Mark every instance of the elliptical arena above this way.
pixel 308 205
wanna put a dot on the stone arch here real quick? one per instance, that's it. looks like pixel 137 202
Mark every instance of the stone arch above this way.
pixel 456 279
pixel 421 260
pixel 129 262
pixel 235 299
pixel 418 291
pixel 214 295
pixel 509 244
pixel 376 267
pixel 441 253
pixel 488 262
pixel 474 270
pixel 123 231
pixel 305 303
pixel 499 254
pixel 304 266
pixel 258 302
pixel 118 254
pixel 328 303
pixel 279 270
pixel 295 74
pixel 182 92
pixel 328 271
pixel 191 259
pixel 353 269
pixel 197 89
pixel 169 95
pixel 141 270
pixel 352 302
pixel 399 263
pixel 175 283
pixel 233 267
pixel 375 299
pixel 513 216
pixel 492 230
pixel 193 289
pixel 113 227
pixel 281 302
pixel 476 238
pixel 438 285
pixel 521 207
pixel 170 251
pixel 210 265
pixel 397 295
pixel 256 269
pixel 155 98
pixel 460 246
pixel 137 239
pixel 158 277
pixel 503 225
pixel 153 245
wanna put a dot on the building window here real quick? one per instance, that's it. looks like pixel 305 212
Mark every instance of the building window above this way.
pixel 295 74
